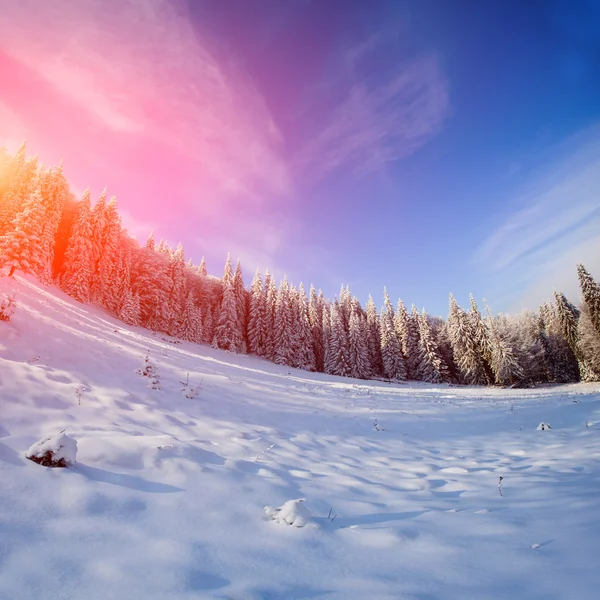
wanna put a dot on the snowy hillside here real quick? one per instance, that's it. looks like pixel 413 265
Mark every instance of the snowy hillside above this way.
pixel 167 498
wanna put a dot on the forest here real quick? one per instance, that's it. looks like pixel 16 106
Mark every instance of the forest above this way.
pixel 82 247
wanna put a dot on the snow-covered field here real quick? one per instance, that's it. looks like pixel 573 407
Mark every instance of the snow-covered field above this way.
pixel 167 497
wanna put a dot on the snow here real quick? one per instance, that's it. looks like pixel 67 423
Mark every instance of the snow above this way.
pixel 293 512
pixel 168 493
pixel 61 446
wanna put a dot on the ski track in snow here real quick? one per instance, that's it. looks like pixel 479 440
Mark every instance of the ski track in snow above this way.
pixel 167 496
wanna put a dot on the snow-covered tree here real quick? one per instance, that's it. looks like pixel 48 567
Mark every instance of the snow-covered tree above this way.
pixel 483 342
pixel 464 345
pixel 23 180
pixel 21 246
pixel 304 357
pixel 358 349
pixel 590 290
pixel 391 347
pixel 338 348
pixel 432 367
pixel 373 333
pixel 54 190
pixel 282 334
pixel 257 321
pixel 103 288
pixel 407 330
pixel 77 269
pixel 202 268
pixel 191 326
pixel 130 308
pixel 568 316
pixel 315 317
pixel 241 297
pixel 228 333
pixel 270 309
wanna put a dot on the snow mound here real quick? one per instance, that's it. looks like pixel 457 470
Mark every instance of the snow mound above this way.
pixel 55 451
pixel 293 512
pixel 543 426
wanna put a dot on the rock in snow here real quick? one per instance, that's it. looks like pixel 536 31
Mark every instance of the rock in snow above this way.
pixel 56 451
pixel 543 426
pixel 293 512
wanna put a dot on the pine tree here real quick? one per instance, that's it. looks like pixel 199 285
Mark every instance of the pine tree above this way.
pixel 407 331
pixel 21 248
pixel 103 288
pixel 305 353
pixel 591 296
pixel 432 367
pixel 98 222
pixel 283 338
pixel 77 269
pixel 150 244
pixel 568 316
pixel 257 322
pixel 562 364
pixel 54 190
pixel 270 308
pixel 464 345
pixel 202 268
pixel 360 367
pixel 191 326
pixel 208 326
pixel 241 298
pixel 503 362
pixel 373 333
pixel 150 281
pixel 130 308
pixel 482 341
pixel 391 348
pixel 228 335
pixel 23 178
pixel 177 291
pixel 338 350
pixel 315 317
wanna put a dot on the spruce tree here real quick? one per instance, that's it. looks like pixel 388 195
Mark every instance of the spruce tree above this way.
pixel 282 334
pixel 23 181
pixel 482 340
pixel 104 290
pixel 590 291
pixel 130 308
pixel 432 367
pixel 241 296
pixel 228 335
pixel 305 353
pixel 464 345
pixel 77 269
pixel 270 308
pixel 315 316
pixel 373 333
pixel 568 316
pixel 358 349
pixel 338 348
pixel 257 321
pixel 54 190
pixel 391 347
pixel 21 246
pixel 202 268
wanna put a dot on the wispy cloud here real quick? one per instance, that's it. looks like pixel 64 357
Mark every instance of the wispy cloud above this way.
pixel 379 122
pixel 554 225
pixel 141 68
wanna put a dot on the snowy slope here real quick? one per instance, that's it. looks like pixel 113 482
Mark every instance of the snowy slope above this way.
pixel 168 493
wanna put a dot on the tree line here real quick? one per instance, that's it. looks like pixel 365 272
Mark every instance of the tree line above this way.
pixel 83 248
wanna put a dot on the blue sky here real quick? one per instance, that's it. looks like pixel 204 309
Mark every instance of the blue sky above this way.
pixel 429 146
